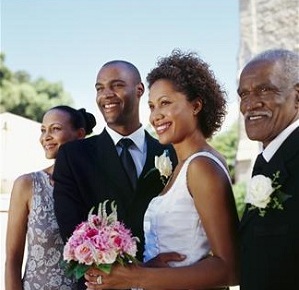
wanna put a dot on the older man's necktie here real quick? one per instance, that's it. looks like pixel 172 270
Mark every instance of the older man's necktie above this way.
pixel 127 160
pixel 260 162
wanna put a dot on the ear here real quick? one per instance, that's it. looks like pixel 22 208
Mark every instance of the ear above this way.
pixel 140 89
pixel 81 133
pixel 197 106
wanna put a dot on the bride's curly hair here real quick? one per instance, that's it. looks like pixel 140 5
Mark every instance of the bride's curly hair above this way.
pixel 192 76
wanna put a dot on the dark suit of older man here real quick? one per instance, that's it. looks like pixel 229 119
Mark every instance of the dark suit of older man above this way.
pixel 270 243
pixel 269 101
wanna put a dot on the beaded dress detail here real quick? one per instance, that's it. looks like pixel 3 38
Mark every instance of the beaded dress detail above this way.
pixel 44 244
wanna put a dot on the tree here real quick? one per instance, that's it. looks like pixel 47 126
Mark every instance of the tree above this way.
pixel 227 144
pixel 31 99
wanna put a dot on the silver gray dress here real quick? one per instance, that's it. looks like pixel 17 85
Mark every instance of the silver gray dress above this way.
pixel 45 247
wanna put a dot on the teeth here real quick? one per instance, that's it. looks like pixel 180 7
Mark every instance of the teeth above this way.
pixel 49 146
pixel 252 118
pixel 162 127
pixel 109 106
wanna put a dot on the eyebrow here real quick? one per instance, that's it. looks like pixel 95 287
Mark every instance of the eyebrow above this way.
pixel 161 97
pixel 111 82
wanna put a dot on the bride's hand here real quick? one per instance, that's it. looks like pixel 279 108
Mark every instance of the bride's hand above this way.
pixel 162 259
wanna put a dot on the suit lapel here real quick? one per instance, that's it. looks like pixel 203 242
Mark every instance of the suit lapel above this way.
pixel 152 149
pixel 110 166
pixel 278 162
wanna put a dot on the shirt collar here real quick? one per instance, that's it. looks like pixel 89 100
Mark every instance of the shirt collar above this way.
pixel 275 143
pixel 137 137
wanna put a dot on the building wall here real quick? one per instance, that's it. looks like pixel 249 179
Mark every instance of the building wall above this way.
pixel 20 150
pixel 264 24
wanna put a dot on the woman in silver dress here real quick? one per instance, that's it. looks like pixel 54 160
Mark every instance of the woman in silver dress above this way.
pixel 31 213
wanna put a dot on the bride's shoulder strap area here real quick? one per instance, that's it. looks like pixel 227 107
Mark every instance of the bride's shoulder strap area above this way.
pixel 211 156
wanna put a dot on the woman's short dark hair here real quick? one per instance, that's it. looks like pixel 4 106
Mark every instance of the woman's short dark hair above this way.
pixel 79 118
pixel 191 76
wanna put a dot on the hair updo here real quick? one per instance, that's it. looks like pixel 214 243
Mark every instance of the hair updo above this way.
pixel 79 118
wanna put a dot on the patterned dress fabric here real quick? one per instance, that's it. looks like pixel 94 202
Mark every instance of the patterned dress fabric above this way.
pixel 172 224
pixel 43 269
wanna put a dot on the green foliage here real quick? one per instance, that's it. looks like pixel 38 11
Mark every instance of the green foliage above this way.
pixel 227 144
pixel 239 190
pixel 5 73
pixel 73 268
pixel 31 99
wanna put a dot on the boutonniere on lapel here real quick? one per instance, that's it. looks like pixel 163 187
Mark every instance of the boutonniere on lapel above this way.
pixel 264 193
pixel 164 165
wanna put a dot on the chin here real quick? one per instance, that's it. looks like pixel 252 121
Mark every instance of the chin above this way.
pixel 50 156
pixel 254 137
pixel 163 141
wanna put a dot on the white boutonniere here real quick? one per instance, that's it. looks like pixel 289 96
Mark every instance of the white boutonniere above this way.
pixel 164 165
pixel 264 193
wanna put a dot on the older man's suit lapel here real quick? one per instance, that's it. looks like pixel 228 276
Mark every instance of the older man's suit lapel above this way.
pixel 278 162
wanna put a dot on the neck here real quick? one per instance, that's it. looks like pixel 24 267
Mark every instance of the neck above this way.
pixel 192 143
pixel 50 170
pixel 125 130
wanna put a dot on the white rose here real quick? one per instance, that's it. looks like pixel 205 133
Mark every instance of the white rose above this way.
pixel 259 191
pixel 163 164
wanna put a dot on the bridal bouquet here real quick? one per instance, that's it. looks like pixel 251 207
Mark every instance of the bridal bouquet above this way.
pixel 99 242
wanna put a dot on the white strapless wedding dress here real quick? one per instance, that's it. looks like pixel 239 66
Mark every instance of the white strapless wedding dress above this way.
pixel 172 223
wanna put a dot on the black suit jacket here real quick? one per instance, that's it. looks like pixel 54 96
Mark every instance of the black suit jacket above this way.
pixel 270 244
pixel 89 171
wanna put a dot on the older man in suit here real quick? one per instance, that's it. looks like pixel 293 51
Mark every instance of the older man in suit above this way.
pixel 92 171
pixel 269 101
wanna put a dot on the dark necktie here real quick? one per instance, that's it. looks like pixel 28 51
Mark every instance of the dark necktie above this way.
pixel 260 162
pixel 127 160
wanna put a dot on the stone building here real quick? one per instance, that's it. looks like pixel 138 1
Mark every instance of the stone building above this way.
pixel 264 24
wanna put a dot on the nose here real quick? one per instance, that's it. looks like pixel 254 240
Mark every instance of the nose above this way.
pixel 251 103
pixel 46 135
pixel 107 92
pixel 156 115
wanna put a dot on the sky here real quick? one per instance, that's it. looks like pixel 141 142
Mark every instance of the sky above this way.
pixel 68 41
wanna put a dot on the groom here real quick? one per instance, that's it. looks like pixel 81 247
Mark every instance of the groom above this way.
pixel 269 101
pixel 92 171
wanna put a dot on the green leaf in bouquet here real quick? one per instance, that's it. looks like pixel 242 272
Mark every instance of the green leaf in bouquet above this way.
pixel 73 268
pixel 80 270
pixel 106 268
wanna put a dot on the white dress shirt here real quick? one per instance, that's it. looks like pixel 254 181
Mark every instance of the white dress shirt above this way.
pixel 138 150
pixel 273 146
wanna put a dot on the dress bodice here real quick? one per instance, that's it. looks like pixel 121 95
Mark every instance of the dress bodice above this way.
pixel 45 246
pixel 172 223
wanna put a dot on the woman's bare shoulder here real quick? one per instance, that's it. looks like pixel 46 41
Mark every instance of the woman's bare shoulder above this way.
pixel 23 180
pixel 22 185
